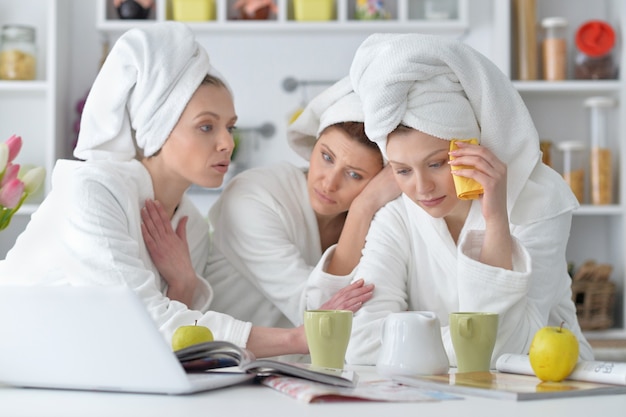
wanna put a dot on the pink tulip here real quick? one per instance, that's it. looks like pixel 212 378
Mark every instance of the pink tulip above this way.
pixel 15 145
pixel 10 173
pixel 11 193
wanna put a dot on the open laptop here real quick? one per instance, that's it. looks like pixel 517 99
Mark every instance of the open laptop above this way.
pixel 91 338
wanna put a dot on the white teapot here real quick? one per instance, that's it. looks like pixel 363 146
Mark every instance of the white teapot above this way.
pixel 412 345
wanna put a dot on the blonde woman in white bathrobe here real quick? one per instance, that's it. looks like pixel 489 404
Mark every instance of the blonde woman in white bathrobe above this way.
pixel 272 224
pixel 503 252
pixel 158 118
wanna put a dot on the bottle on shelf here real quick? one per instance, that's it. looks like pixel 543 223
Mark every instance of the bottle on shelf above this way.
pixel 546 151
pixel 371 10
pixel 574 167
pixel 18 53
pixel 595 41
pixel 193 11
pixel 600 159
pixel 525 15
pixel 554 49
pixel 320 10
pixel 439 9
pixel 254 9
pixel 133 9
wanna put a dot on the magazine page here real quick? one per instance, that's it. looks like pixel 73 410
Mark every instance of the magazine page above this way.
pixel 509 386
pixel 213 355
pixel 374 390
pixel 590 371
pixel 332 376
pixel 220 354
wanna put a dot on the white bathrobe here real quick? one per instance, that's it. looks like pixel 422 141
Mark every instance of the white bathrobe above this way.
pixel 415 265
pixel 445 88
pixel 88 232
pixel 265 245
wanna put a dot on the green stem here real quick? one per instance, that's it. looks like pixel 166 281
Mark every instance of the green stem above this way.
pixel 7 214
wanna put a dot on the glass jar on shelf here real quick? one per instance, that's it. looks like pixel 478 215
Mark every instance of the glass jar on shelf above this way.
pixel 601 172
pixel 18 53
pixel 371 10
pixel 546 151
pixel 133 9
pixel 595 41
pixel 440 9
pixel 554 49
pixel 574 167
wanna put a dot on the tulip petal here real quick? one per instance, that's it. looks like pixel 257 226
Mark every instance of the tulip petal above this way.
pixel 4 157
pixel 10 173
pixel 33 179
pixel 11 193
pixel 15 145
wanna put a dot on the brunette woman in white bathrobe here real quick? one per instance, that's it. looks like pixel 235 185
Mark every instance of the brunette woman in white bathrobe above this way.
pixel 272 224
pixel 158 119
pixel 502 252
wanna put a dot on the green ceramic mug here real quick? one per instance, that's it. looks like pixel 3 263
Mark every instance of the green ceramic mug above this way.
pixel 473 338
pixel 327 334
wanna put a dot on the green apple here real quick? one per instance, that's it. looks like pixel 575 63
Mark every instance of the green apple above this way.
pixel 186 336
pixel 553 353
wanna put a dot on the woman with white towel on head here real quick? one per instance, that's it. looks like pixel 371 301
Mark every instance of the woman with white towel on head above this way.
pixel 501 250
pixel 273 223
pixel 158 118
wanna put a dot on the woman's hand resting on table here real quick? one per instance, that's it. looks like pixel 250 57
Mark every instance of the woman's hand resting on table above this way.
pixel 169 251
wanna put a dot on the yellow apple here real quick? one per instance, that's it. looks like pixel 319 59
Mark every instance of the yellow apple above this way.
pixel 186 336
pixel 553 353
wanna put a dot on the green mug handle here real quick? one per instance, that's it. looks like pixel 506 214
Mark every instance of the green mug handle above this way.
pixel 465 327
pixel 326 329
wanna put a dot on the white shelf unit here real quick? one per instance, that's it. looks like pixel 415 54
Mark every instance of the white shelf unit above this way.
pixel 33 109
pixel 406 16
pixel 598 232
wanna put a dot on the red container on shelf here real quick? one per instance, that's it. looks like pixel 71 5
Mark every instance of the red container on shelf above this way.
pixel 595 59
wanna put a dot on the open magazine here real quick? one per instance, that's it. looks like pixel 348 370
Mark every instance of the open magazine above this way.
pixel 604 372
pixel 221 354
pixel 508 386
pixel 381 390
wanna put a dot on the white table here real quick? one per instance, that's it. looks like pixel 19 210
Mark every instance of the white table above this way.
pixel 256 400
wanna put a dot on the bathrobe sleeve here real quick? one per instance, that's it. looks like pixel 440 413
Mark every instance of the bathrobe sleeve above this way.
pixel 385 263
pixel 534 294
pixel 529 297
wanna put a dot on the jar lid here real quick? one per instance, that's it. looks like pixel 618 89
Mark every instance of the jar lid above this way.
pixel 572 145
pixel 554 22
pixel 595 38
pixel 19 32
pixel 600 101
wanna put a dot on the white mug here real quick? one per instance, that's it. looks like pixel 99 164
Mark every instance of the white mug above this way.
pixel 412 345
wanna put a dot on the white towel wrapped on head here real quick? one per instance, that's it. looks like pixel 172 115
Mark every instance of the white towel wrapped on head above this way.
pixel 336 104
pixel 447 89
pixel 140 92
